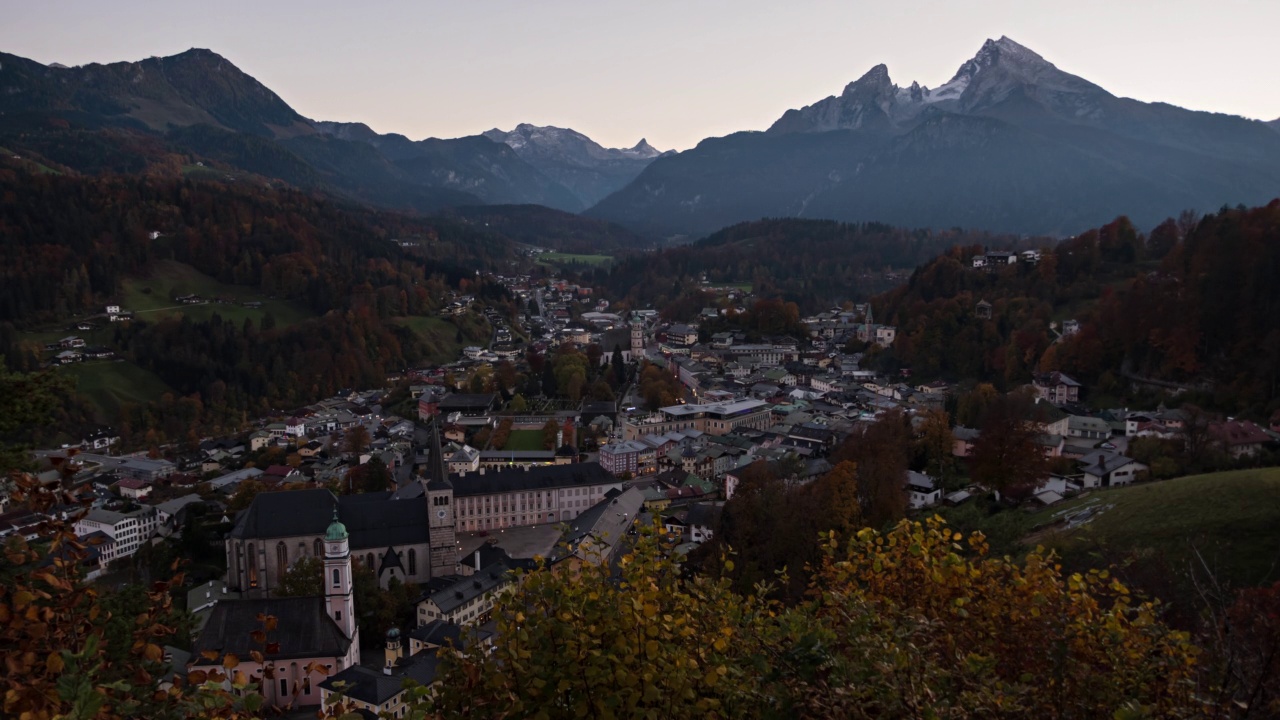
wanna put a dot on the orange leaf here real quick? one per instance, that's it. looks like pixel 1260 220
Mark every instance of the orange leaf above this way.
pixel 230 661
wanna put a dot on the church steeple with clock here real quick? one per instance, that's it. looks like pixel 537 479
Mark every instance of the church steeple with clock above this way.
pixel 441 538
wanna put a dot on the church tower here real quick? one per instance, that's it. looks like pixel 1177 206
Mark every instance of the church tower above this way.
pixel 637 340
pixel 440 535
pixel 339 593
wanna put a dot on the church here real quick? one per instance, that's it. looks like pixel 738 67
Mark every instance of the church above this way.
pixel 411 534
pixel 312 637
pixel 407 535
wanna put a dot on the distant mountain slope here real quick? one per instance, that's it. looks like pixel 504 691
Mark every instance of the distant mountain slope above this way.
pixel 191 88
pixel 476 165
pixel 591 172
pixel 549 228
pixel 90 118
pixel 1011 144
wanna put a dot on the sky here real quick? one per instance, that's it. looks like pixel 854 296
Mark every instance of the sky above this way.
pixel 671 71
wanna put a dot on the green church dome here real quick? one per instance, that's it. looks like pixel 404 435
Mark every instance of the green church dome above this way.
pixel 337 531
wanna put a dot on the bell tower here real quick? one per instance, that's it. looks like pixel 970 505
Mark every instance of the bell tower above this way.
pixel 339 593
pixel 440 535
pixel 637 340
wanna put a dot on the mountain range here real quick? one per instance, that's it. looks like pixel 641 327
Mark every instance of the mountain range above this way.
pixel 1010 144
pixel 128 116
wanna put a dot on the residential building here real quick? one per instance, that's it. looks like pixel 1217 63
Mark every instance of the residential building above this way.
pixel 127 530
pixel 1103 468
pixel 633 457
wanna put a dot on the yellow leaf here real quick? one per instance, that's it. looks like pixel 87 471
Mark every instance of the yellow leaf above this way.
pixel 54 663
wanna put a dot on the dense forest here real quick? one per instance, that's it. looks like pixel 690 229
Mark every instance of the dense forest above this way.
pixel 67 243
pixel 814 263
pixel 1193 304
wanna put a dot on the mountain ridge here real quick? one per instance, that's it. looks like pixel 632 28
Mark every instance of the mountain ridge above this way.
pixel 1011 143
pixel 202 104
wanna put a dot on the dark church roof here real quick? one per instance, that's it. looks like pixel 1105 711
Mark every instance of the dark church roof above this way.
pixel 442 633
pixel 390 561
pixel 373 520
pixel 543 477
pixel 373 687
pixel 303 629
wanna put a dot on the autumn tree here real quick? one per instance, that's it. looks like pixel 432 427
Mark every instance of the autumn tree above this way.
pixel 915 622
pixel 881 452
pixel 619 367
pixel 66 651
pixel 550 430
pixel 1006 456
pixel 245 492
pixel 584 644
pixel 935 446
pixel 357 439
pixel 370 477
pixel 837 497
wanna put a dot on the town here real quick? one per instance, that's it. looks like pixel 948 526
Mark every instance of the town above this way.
pixel 454 479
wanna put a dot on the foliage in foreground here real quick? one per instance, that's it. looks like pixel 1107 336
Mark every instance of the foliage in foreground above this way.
pixel 916 622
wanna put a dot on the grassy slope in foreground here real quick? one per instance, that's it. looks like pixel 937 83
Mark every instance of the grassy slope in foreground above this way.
pixel 1232 518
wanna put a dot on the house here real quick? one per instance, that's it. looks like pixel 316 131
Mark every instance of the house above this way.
pixel 1056 387
pixel 474 405
pixel 470 599
pixel 133 489
pixel 1239 438
pixel 1103 468
pixel 922 491
pixel 1089 428
pixel 127 530
pixel 631 456
pixel 702 520
pixel 465 459
pixel 113 309
pixel 982 310
pixel 964 440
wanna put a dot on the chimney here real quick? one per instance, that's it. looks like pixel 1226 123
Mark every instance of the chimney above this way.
pixel 477 559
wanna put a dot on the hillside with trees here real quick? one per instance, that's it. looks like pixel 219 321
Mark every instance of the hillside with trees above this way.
pixel 814 263
pixel 1191 304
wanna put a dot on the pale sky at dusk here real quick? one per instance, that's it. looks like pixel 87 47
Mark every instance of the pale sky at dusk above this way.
pixel 670 71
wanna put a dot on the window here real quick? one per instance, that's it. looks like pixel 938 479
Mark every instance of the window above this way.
pixel 282 561
pixel 413 561
pixel 319 548
pixel 284 687
pixel 337 577
pixel 253 566
pixel 368 560
pixel 337 615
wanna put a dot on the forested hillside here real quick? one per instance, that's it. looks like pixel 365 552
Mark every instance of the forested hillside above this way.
pixel 69 245
pixel 1193 303
pixel 811 262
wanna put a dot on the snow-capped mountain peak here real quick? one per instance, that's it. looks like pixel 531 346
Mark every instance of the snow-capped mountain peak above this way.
pixel 998 70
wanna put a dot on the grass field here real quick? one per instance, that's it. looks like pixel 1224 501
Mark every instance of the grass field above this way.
pixel 524 440
pixel 440 334
pixel 1232 519
pixel 150 298
pixel 558 258
pixel 109 384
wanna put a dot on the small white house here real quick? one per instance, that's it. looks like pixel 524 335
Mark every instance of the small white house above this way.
pixel 113 309
pixel 1104 468
pixel 922 491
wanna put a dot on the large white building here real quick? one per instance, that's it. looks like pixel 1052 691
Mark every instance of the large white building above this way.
pixel 127 530
pixel 712 418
